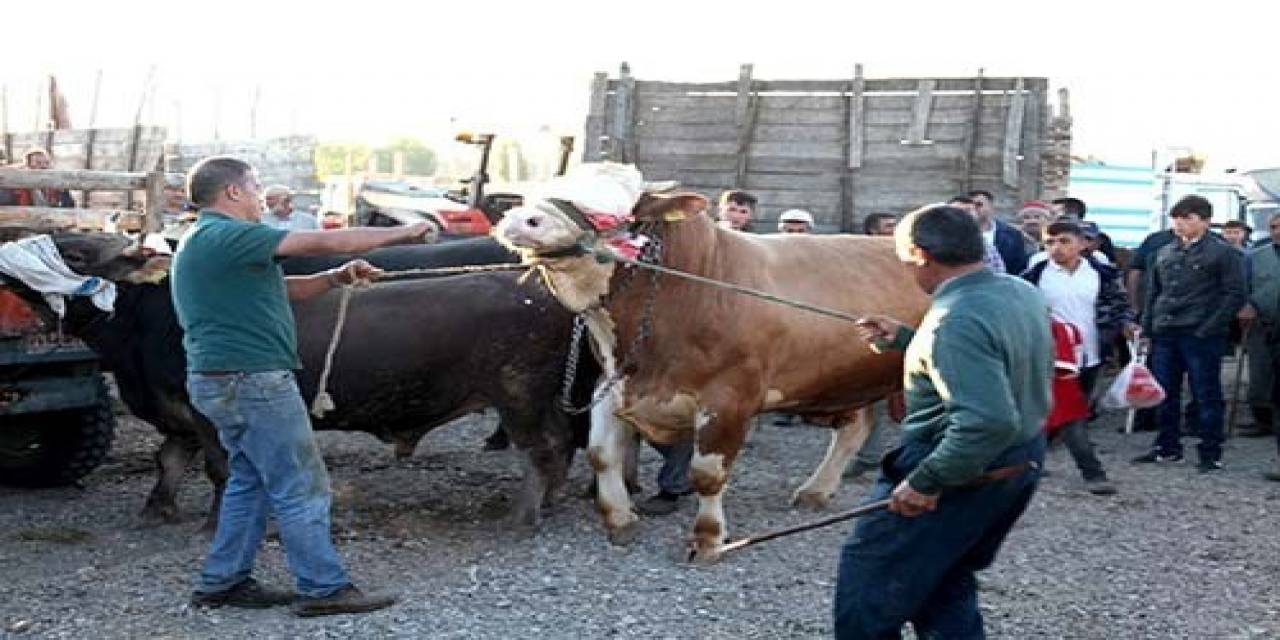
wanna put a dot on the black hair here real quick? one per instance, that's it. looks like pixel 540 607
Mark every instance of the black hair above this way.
pixel 211 175
pixel 1064 226
pixel 1072 206
pixel 872 222
pixel 949 235
pixel 973 195
pixel 739 197
pixel 1192 205
pixel 960 200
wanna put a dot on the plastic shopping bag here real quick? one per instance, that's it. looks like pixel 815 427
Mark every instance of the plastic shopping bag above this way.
pixel 1135 387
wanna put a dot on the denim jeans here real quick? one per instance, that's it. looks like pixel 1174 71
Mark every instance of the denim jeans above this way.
pixel 1075 434
pixel 673 477
pixel 895 569
pixel 275 467
pixel 1174 355
pixel 873 447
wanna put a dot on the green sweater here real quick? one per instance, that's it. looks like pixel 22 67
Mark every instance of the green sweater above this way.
pixel 978 373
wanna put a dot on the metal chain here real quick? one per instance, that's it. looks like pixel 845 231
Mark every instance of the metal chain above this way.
pixel 652 254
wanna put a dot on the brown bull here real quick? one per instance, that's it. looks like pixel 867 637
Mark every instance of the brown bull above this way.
pixel 712 358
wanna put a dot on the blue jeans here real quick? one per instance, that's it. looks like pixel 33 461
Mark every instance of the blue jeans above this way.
pixel 275 467
pixel 673 477
pixel 1200 360
pixel 895 570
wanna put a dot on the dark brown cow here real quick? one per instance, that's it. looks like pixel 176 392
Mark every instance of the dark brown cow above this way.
pixel 715 358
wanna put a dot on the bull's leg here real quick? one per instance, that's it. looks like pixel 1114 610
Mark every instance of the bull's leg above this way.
pixel 846 439
pixel 611 442
pixel 215 469
pixel 172 458
pixel 543 441
pixel 719 439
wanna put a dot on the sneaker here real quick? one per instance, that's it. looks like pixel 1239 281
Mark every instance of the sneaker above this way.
pixel 348 599
pixel 246 595
pixel 1209 466
pixel 1154 456
pixel 1100 487
pixel 1254 431
pixel 661 503
pixel 1274 474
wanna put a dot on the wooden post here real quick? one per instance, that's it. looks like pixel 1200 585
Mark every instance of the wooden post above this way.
pixel 1013 135
pixel 593 148
pixel 253 112
pixel 4 123
pixel 920 114
pixel 621 131
pixel 93 133
pixel 854 122
pixel 137 131
pixel 974 132
pixel 153 220
pixel 746 112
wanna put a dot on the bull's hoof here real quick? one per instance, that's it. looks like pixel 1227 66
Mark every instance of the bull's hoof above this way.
pixel 626 534
pixel 703 553
pixel 156 515
pixel 522 517
pixel 810 499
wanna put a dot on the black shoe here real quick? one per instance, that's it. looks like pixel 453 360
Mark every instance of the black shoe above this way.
pixel 246 595
pixel 661 503
pixel 1154 456
pixel 1274 474
pixel 1100 487
pixel 1254 431
pixel 1209 466
pixel 348 599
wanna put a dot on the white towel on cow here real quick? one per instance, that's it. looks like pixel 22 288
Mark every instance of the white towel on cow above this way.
pixel 599 187
pixel 36 262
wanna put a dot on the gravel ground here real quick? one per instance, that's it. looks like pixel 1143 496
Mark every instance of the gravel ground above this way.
pixel 1175 555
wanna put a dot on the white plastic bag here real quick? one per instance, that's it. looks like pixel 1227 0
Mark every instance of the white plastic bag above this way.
pixel 1135 387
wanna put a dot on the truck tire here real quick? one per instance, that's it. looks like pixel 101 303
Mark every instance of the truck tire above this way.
pixel 56 448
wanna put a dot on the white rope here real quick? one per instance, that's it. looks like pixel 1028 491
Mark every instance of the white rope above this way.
pixel 323 402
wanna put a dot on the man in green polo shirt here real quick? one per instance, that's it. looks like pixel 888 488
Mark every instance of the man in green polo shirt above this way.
pixel 232 301
pixel 977 377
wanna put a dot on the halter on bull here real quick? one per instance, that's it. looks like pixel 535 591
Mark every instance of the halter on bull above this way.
pixel 712 359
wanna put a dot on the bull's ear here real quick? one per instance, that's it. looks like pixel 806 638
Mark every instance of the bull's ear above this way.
pixel 674 208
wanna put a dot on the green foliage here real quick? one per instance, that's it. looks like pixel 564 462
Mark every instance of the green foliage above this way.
pixel 331 158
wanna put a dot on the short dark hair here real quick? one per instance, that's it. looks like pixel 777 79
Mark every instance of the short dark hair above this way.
pixel 1064 226
pixel 1072 206
pixel 1192 205
pixel 739 197
pixel 872 221
pixel 211 175
pixel 973 195
pixel 960 200
pixel 1238 224
pixel 949 235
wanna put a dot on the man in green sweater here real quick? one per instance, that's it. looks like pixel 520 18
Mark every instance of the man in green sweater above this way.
pixel 977 376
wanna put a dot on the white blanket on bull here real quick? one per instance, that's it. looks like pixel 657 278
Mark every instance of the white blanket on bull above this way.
pixel 36 262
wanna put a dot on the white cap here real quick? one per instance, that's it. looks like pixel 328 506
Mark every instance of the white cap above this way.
pixel 796 215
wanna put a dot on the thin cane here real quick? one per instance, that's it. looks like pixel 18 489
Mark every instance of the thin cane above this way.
pixel 1235 391
pixel 865 509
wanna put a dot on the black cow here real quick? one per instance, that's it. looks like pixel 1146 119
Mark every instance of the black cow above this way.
pixel 414 355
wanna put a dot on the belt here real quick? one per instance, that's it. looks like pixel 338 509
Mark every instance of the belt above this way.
pixel 1003 473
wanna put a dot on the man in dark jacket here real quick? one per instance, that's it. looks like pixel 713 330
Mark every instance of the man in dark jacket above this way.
pixel 1194 291
pixel 1006 238
pixel 1085 292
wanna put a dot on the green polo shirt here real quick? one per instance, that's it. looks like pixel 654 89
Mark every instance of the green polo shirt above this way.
pixel 978 373
pixel 230 295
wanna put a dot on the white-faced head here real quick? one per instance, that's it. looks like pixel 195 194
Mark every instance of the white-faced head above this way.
pixel 604 188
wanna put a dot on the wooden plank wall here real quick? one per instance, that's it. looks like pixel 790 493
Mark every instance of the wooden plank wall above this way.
pixel 839 148
pixel 288 160
pixel 97 149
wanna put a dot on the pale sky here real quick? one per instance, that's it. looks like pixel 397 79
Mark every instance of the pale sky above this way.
pixel 1142 75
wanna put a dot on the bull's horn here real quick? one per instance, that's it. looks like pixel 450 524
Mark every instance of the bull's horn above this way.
pixel 661 186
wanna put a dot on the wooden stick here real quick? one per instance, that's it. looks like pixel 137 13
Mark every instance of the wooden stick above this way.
pixel 1241 355
pixel 865 509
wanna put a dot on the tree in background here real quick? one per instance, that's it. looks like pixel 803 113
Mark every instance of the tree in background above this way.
pixel 331 158
pixel 419 159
